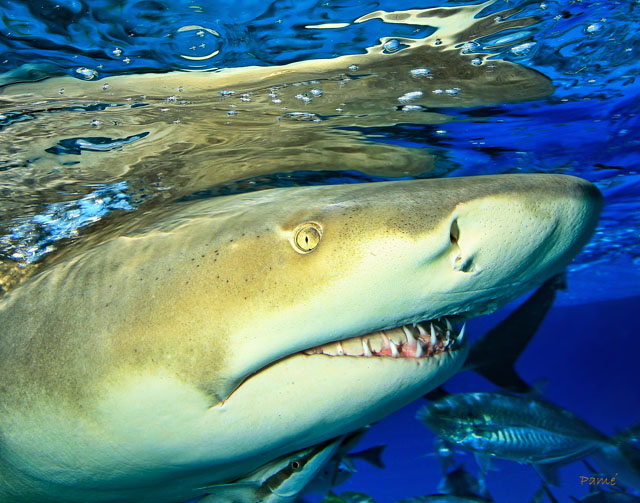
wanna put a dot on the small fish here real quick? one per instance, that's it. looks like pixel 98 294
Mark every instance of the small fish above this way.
pixel 279 481
pixel 340 467
pixel 521 428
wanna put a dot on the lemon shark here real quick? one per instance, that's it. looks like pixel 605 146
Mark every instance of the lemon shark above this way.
pixel 235 330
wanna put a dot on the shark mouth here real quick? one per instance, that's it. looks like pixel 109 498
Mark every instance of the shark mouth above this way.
pixel 407 341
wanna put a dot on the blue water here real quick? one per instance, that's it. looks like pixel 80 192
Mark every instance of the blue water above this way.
pixel 587 349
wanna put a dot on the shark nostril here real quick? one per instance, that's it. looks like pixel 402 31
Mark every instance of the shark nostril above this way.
pixel 454 232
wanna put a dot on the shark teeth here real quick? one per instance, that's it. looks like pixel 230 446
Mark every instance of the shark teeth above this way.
pixel 407 341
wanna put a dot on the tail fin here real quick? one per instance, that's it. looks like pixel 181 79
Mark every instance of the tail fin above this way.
pixel 373 455
pixel 494 355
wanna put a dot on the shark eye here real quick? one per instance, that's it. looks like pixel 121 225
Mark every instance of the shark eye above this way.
pixel 306 237
pixel 295 466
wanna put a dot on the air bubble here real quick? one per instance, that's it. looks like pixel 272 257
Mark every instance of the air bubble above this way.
pixel 407 97
pixel 117 52
pixel 594 28
pixel 86 73
pixel 476 61
pixel 412 108
pixel 316 92
pixel 232 112
pixel 523 49
pixel 420 72
pixel 353 68
pixel 126 61
pixel 226 92
pixel 452 92
pixel 391 46
pixel 470 47
pixel 105 86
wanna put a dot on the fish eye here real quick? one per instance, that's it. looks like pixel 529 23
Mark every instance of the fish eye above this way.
pixel 295 465
pixel 306 237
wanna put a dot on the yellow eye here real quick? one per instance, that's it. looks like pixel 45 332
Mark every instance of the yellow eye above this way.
pixel 306 237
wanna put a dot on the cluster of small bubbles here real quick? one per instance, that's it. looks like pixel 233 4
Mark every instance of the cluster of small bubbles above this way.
pixel 96 123
pixel 316 91
pixel 303 116
pixel 226 92
pixel 171 99
pixel 390 46
pixel 411 96
pixel 468 47
pixel 452 92
pixel 594 28
pixel 476 61
pixel 420 72
pixel 353 68
pixel 117 52
pixel 438 42
pixel 105 86
pixel 86 73
pixel 523 49
pixel 245 98
pixel 231 113
pixel 303 97
pixel 412 108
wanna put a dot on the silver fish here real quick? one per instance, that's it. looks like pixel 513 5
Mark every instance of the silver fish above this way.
pixel 521 428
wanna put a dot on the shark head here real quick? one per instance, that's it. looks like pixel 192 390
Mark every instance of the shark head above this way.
pixel 256 325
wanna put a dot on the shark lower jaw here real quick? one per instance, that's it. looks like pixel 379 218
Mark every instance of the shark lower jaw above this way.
pixel 417 341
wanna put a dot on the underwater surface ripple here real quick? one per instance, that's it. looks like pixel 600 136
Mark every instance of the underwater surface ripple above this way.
pixel 77 168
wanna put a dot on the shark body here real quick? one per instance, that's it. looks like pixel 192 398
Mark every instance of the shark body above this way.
pixel 236 330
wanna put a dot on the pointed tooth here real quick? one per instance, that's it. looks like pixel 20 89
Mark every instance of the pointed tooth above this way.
pixel 385 340
pixel 434 339
pixel 419 351
pixel 394 349
pixel 411 340
pixel 460 338
pixel 366 348
pixel 422 331
pixel 340 349
pixel 449 327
